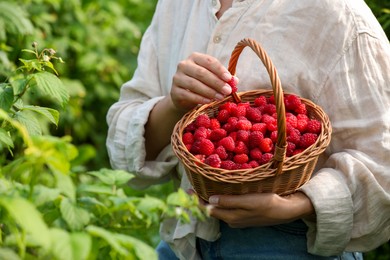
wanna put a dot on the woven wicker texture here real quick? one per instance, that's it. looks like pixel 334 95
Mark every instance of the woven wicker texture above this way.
pixel 282 175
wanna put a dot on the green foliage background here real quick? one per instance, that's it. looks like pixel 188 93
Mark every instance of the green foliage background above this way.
pixel 99 41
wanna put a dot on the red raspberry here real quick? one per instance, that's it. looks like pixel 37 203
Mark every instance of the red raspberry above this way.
pixel 190 127
pixel 201 133
pixel 229 127
pixel 238 111
pixel 241 158
pixel 313 126
pixel 290 149
pixel 242 135
pixel 227 143
pixel 297 151
pixel 262 127
pixel 246 166
pixel 221 151
pixel 294 136
pixel 254 164
pixel 200 157
pixel 266 145
pixel 203 146
pixel 302 124
pixel 214 124
pixel 260 101
pixel 271 100
pixel 213 160
pixel 233 84
pixel 243 124
pixel 241 148
pixel 228 165
pixel 202 120
pixel 223 115
pixel 188 138
pixel 217 134
pixel 255 138
pixel 307 139
pixel 233 135
pixel 270 109
pixel 255 154
pixel 301 109
pixel 253 114
pixel 228 106
pixel 292 102
pixel 274 136
pixel 291 119
pixel 266 157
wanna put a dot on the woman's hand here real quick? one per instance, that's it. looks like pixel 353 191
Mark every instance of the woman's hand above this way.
pixel 260 209
pixel 199 79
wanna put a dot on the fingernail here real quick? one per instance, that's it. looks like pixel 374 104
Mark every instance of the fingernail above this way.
pixel 206 101
pixel 214 200
pixel 226 76
pixel 218 96
pixel 226 89
pixel 208 209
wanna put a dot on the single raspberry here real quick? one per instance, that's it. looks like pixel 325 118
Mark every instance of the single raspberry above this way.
pixel 227 143
pixel 243 124
pixel 241 148
pixel 228 165
pixel 301 109
pixel 255 154
pixel 294 136
pixel 255 138
pixel 292 102
pixel 229 106
pixel 307 139
pixel 290 149
pixel 254 164
pixel 217 134
pixel 223 115
pixel 271 100
pixel 238 111
pixel 229 127
pixel 233 84
pixel 200 157
pixel 297 151
pixel 262 127
pixel 188 138
pixel 274 136
pixel 241 158
pixel 203 146
pixel 291 119
pixel 202 120
pixel 302 125
pixel 233 135
pixel 265 158
pixel 260 101
pixel 188 146
pixel 201 132
pixel 266 145
pixel 190 127
pixel 213 160
pixel 242 135
pixel 313 126
pixel 214 124
pixel 270 109
pixel 221 151
pixel 253 114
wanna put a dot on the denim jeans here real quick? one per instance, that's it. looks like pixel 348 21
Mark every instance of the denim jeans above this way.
pixel 284 242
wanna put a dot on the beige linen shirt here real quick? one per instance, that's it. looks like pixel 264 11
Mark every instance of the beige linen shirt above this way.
pixel 332 52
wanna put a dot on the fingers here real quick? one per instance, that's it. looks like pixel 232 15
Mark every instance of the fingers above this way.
pixel 199 79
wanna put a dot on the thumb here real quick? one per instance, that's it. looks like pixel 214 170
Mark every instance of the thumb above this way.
pixel 228 201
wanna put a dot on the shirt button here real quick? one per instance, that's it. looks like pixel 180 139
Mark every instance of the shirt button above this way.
pixel 214 2
pixel 217 39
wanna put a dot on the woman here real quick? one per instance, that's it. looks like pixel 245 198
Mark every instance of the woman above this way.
pixel 332 52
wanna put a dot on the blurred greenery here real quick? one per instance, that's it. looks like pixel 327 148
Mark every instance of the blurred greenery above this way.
pixel 99 41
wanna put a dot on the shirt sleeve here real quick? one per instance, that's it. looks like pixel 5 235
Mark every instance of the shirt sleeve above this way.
pixel 127 118
pixel 351 191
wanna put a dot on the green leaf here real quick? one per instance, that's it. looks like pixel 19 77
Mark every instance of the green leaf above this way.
pixel 15 19
pixel 112 177
pixel 43 194
pixel 6 253
pixel 31 123
pixel 141 249
pixel 5 139
pixel 109 237
pixel 28 218
pixel 65 184
pixel 6 96
pixel 95 188
pixel 70 246
pixel 50 85
pixel 74 216
pixel 49 113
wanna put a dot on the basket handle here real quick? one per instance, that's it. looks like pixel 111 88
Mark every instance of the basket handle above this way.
pixel 281 142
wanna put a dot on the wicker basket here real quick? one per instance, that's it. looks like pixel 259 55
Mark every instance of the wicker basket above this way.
pixel 282 175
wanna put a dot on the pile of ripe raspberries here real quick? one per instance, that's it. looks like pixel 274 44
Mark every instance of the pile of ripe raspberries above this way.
pixel 243 135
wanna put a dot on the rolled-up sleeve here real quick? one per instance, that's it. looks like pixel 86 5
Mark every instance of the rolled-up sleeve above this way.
pixel 351 192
